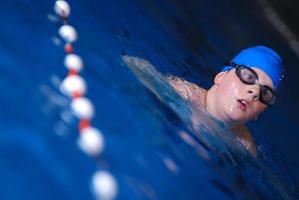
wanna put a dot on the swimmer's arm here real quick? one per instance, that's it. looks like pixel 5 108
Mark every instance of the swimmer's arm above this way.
pixel 156 83
pixel 245 137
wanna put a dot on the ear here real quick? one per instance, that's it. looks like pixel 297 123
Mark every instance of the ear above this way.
pixel 219 77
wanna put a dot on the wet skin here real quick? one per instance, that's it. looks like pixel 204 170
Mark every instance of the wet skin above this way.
pixel 234 102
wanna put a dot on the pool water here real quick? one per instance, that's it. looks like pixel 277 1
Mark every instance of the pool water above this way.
pixel 152 148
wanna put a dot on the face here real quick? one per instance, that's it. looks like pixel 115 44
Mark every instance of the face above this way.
pixel 238 103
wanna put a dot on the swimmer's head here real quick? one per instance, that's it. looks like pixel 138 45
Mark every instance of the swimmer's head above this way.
pixel 263 58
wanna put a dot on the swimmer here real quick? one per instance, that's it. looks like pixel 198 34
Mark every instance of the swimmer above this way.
pixel 245 87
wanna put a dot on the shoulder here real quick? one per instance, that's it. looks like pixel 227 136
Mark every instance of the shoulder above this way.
pixel 186 89
pixel 244 136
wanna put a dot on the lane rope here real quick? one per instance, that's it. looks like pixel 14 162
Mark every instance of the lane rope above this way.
pixel 91 140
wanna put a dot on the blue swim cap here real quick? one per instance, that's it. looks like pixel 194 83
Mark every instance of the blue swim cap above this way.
pixel 263 58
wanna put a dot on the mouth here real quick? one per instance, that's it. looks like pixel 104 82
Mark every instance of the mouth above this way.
pixel 242 104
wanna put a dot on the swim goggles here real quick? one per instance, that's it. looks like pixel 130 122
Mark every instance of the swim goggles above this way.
pixel 248 76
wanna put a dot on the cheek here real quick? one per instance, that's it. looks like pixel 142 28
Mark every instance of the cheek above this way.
pixel 229 89
pixel 257 109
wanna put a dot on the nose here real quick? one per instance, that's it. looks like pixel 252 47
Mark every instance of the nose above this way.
pixel 253 91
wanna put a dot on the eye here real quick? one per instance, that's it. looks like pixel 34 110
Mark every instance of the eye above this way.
pixel 248 76
pixel 266 94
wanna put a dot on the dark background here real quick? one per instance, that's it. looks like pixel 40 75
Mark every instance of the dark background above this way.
pixel 288 12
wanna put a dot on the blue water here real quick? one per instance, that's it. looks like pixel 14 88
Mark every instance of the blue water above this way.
pixel 146 146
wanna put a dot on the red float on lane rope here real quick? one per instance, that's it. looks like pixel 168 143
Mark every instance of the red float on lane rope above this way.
pixel 68 48
pixel 84 123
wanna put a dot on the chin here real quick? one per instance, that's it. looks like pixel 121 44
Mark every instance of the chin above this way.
pixel 237 119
